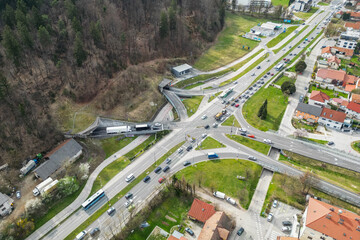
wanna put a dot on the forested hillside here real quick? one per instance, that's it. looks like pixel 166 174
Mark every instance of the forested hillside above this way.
pixel 88 51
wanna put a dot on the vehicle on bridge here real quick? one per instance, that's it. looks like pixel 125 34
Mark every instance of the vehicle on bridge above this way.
pixel 212 155
pixel 142 127
pixel 93 199
pixel 226 93
pixel 118 129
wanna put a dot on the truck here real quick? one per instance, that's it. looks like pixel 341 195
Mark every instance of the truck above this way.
pixel 37 190
pixel 212 155
pixel 141 127
pixel 219 194
pixel 50 187
pixel 29 166
pixel 220 114
pixel 230 200
pixel 118 129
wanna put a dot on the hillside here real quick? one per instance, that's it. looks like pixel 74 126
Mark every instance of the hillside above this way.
pixel 58 55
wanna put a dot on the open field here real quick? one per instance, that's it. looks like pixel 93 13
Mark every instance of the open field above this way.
pixel 323 4
pixel 284 3
pixel 231 121
pixel 281 37
pixel 210 143
pixel 306 15
pixel 258 146
pixel 220 175
pixel 114 144
pixel 284 79
pixel 192 104
pixel 355 146
pixel 277 103
pixel 299 125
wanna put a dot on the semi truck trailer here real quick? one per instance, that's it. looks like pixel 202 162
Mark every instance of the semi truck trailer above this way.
pixel 37 190
pixel 118 129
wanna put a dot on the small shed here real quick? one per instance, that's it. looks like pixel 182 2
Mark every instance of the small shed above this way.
pixel 6 205
pixel 181 70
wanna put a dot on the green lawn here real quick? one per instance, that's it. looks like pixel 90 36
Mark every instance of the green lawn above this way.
pixel 220 175
pixel 355 146
pixel 290 40
pixel 231 121
pixel 350 70
pixel 277 103
pixel 324 142
pixel 281 36
pixel 192 104
pixel 210 143
pixel 330 93
pixel 202 77
pixel 322 3
pixel 212 97
pixel 258 146
pixel 342 177
pixel 194 85
pixel 285 3
pixel 299 125
pixel 114 144
pixel 284 79
pixel 229 44
pixel 306 15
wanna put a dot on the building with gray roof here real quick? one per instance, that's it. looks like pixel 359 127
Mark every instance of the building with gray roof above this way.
pixel 6 204
pixel 310 109
pixel 181 70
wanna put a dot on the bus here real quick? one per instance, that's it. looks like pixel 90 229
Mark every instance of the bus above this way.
pixel 93 199
pixel 279 66
pixel 226 93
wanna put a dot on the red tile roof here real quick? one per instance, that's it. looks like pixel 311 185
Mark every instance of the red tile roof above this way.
pixel 355 14
pixel 319 96
pixel 326 50
pixel 333 115
pixel 349 87
pixel 201 211
pixel 344 103
pixel 175 238
pixel 354 107
pixel 354 25
pixel 348 52
pixel 355 97
pixel 334 59
pixel 325 218
pixel 331 74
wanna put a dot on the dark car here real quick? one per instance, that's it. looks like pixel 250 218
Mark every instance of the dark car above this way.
pixel 166 168
pixel 146 179
pixel 128 195
pixel 207 127
pixel 186 163
pixel 94 231
pixel 246 96
pixel 243 134
pixel 158 169
pixel 265 76
pixel 286 223
pixel 189 231
pixel 240 231
pixel 250 88
pixel 237 100
pixel 189 148
pixel 330 143
pixel 233 104
pixel 258 67
pixel 268 73
pixel 168 161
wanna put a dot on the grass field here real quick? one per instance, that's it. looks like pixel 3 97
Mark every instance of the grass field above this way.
pixel 322 3
pixel 220 175
pixel 277 103
pixel 214 96
pixel 202 77
pixel 192 104
pixel 230 121
pixel 306 15
pixel 330 93
pixel 284 79
pixel 324 142
pixel 209 143
pixel 281 36
pixel 290 40
pixel 285 3
pixel 355 146
pixel 114 144
pixel 229 44
pixel 258 146
pixel 299 125
pixel 342 177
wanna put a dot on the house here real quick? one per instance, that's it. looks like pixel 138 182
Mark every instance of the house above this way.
pixel 181 70
pixel 286 238
pixel 308 112
pixel 177 236
pixel 325 221
pixel 353 110
pixel 217 227
pixel 353 25
pixel 330 76
pixel 346 43
pixel 318 98
pixel 334 62
pixel 342 52
pixel 355 16
pixel 350 82
pixel 331 118
pixel 68 151
pixel 201 211
pixel 357 6
pixel 326 52
pixel 339 102
pixel 6 204
pixel 302 5
pixel 323 64
pixel 355 98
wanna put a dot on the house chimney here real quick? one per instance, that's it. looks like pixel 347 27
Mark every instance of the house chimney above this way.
pixel 203 209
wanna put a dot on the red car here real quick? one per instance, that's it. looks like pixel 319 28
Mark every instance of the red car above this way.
pixel 252 136
pixel 272 74
pixel 161 179
pixel 284 59
pixel 237 105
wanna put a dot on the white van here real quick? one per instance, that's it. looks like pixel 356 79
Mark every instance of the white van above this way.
pixel 230 200
pixel 219 195
pixel 129 178
pixel 81 235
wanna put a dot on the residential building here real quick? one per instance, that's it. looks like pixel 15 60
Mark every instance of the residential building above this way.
pixel 328 222
pixel 302 5
pixel 350 34
pixel 355 97
pixel 201 211
pixel 6 204
pixel 342 52
pixel 346 43
pixel 357 6
pixel 339 102
pixel 334 62
pixel 331 118
pixel 318 98
pixel 323 64
pixel 330 76
pixel 353 110
pixel 247 3
pixel 217 227
pixel 326 52
pixel 266 29
pixel 353 25
pixel 181 70
pixel 177 236
pixel 68 151
pixel 286 238
pixel 308 112
pixel 355 16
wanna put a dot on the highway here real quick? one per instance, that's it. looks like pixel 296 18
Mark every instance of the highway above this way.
pixel 194 126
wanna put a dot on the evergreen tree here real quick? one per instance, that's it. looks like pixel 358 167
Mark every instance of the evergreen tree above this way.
pixel 44 36
pixel 222 14
pixel 172 19
pixel 20 17
pixel 164 25
pixel 11 45
pixel 36 17
pixel 25 35
pixel 79 53
pixel 8 16
pixel 95 30
pixel 262 113
pixel 71 9
pixel 75 23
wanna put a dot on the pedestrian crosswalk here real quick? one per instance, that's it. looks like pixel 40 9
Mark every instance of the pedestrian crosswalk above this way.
pixel 274 235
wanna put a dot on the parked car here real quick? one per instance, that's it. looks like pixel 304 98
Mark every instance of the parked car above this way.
pixel 146 179
pixel 111 210
pixel 81 235
pixel 215 125
pixel 207 127
pixel 128 195
pixel 189 231
pixel 331 143
pixel 237 105
pixel 286 229
pixel 204 135
pixel 180 150
pixel 270 217
pixel 168 161
pixel 252 158
pixel 18 194
pixel 94 231
pixel 233 104
pixel 275 204
pixel 186 163
pixel 287 223
pixel 237 100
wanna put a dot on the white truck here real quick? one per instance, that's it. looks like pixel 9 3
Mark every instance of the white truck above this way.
pixel 37 190
pixel 117 130
pixel 50 187
pixel 219 194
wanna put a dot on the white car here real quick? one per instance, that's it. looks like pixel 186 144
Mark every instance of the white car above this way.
pixel 286 229
pixel 81 235
pixel 270 217
pixel 128 203
pixel 243 130
pixel 275 204
pixel 180 150
pixel 203 117
pixel 204 135
pixel 268 141
pixel 252 158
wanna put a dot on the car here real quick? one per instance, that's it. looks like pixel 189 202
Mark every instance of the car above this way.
pixel 168 161
pixel 223 102
pixel 243 130
pixel 204 135
pixel 275 204
pixel 272 74
pixel 289 46
pixel 161 180
pixel 233 104
pixel 180 150
pixel 18 194
pixel 286 229
pixel 128 195
pixel 207 127
pixel 252 93
pixel 203 117
pixel 243 134
pixel 166 169
pixel 158 169
pixel 146 179
pixel 189 148
pixel 81 235
pixel 246 97
pixel 268 141
pixel 312 37
pixel 110 210
pixel 251 136
pixel 305 88
pixel 94 231
pixel 265 76
pixel 284 59
pixel 252 158
pixel 187 163
pixel 243 101
pixel 268 73
pixel 128 203
pixel 331 143
pixel 287 223
pixel 235 82
pixel 240 231
pixel 189 231
pixel 253 74
pixel 290 54
pixel 299 47
pixel 228 102
pixel 294 54
pixel 258 67
pixel 215 125
pixel 270 217
pixel 237 105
